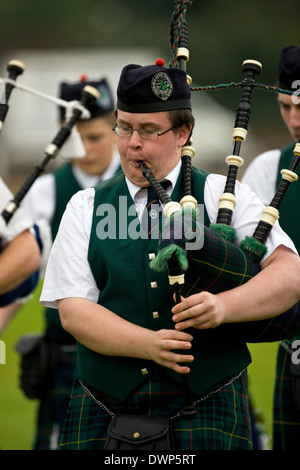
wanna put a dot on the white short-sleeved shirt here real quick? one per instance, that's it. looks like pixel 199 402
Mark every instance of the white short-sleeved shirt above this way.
pixel 261 175
pixel 68 272
pixel 19 222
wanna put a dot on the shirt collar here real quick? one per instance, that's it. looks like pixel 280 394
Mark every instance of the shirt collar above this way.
pixel 88 181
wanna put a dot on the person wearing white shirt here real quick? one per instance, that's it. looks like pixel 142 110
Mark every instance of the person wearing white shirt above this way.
pixel 263 177
pixel 46 201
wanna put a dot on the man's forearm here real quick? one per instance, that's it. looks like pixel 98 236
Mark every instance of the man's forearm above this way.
pixel 101 330
pixel 106 333
pixel 19 259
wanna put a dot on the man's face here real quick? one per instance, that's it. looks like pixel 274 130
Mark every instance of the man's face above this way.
pixel 99 143
pixel 160 155
pixel 290 113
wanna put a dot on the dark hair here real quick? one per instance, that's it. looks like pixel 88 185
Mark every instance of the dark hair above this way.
pixel 182 117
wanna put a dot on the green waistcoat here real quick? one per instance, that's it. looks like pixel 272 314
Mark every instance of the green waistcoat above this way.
pixel 66 185
pixel 121 269
pixel 289 209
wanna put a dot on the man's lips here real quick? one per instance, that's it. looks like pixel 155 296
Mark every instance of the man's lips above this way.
pixel 135 162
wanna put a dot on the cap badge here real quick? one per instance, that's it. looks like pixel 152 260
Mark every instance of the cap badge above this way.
pixel 162 85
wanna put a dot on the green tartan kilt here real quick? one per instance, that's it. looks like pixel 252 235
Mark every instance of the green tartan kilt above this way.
pixel 286 414
pixel 222 421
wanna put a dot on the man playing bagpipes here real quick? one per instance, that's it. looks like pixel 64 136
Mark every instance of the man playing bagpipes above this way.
pixel 263 175
pixel 134 345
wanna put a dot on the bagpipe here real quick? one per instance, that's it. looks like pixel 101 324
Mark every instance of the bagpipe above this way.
pixel 74 111
pixel 88 96
pixel 219 264
pixel 14 68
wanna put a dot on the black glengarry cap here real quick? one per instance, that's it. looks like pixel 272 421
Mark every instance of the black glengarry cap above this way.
pixel 288 67
pixel 72 92
pixel 152 88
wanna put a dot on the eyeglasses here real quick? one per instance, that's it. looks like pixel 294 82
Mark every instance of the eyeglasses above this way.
pixel 148 134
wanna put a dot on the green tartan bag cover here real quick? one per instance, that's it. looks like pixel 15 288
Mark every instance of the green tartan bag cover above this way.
pixel 295 369
pixel 218 266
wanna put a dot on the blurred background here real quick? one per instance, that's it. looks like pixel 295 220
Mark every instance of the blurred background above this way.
pixel 61 40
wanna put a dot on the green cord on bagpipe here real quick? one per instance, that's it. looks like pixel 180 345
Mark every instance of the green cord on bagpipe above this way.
pixel 178 30
pixel 270 88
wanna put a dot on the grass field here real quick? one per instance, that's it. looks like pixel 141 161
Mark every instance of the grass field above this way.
pixel 17 414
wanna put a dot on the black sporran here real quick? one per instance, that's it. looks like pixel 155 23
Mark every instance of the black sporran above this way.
pixel 139 432
pixel 39 356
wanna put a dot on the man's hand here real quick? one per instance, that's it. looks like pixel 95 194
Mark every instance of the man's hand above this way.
pixel 201 311
pixel 162 343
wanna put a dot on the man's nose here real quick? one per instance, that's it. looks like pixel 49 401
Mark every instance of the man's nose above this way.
pixel 135 138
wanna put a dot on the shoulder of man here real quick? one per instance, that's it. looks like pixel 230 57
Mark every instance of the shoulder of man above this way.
pixel 111 182
pixel 199 171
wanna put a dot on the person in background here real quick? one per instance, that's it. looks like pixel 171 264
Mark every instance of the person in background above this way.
pixel 263 176
pixel 47 200
pixel 131 337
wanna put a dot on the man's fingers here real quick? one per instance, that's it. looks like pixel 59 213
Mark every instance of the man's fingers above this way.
pixel 171 344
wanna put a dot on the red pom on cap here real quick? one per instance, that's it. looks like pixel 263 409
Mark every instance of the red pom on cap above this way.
pixel 160 62
pixel 83 78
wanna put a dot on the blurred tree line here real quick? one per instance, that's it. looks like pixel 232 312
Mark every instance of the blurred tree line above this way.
pixel 221 36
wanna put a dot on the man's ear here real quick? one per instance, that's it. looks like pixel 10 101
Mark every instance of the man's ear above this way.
pixel 183 135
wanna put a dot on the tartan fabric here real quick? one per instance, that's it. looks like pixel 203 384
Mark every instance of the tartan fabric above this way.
pixel 222 421
pixel 286 415
pixel 285 326
pixel 53 408
pixel 221 265
pixel 224 264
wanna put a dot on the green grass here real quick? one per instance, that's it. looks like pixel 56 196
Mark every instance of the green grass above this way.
pixel 262 379
pixel 18 414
